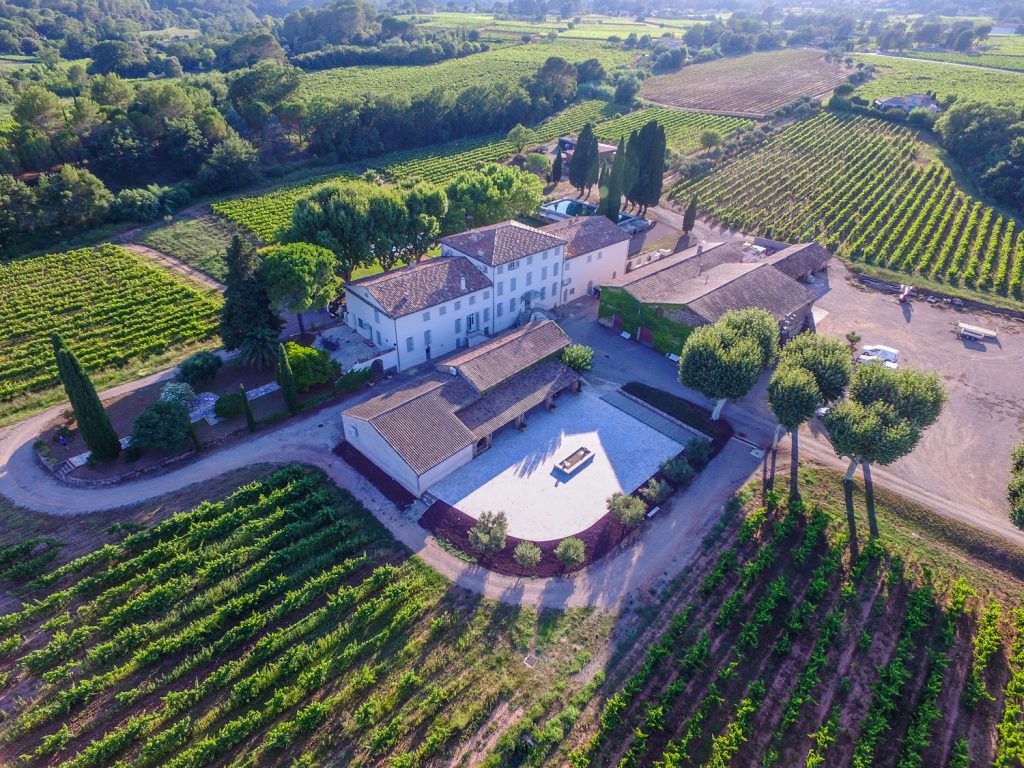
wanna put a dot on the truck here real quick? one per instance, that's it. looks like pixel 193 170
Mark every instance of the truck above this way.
pixel 974 332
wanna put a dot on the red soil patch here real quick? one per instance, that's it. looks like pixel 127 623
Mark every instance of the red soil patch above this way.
pixel 393 491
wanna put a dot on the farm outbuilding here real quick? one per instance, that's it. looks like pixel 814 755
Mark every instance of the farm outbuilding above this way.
pixel 661 302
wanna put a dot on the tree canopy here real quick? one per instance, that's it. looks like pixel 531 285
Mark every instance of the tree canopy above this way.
pixel 299 277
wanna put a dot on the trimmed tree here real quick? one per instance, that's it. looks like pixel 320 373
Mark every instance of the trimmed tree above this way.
pixel 880 422
pixel 93 421
pixel 690 216
pixel 490 532
pixel 299 277
pixel 286 380
pixel 723 361
pixel 828 360
pixel 527 555
pixel 579 357
pixel 628 510
pixel 793 396
pixel 570 552
pixel 163 426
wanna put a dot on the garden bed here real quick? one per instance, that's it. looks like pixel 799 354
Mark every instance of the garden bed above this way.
pixel 392 490
pixel 691 414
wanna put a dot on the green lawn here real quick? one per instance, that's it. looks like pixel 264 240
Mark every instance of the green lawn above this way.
pixel 199 242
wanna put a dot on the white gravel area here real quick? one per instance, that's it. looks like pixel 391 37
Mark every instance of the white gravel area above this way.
pixel 517 475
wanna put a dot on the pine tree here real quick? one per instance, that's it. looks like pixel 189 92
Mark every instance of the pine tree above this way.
pixel 580 163
pixel 250 421
pixel 93 422
pixel 556 166
pixel 246 305
pixel 690 217
pixel 612 200
pixel 286 379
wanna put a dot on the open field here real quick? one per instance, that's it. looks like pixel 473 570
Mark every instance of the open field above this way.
pixel 200 242
pixel 873 191
pixel 507 64
pixel 754 85
pixel 281 626
pixel 898 76
pixel 111 307
pixel 778 649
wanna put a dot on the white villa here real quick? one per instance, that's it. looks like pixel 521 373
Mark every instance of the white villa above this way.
pixel 486 281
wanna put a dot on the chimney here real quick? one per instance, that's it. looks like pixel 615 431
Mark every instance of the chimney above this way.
pixel 462 282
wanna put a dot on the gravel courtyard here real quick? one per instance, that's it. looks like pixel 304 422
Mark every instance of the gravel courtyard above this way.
pixel 517 475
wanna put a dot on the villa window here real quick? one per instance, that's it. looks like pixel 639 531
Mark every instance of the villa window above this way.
pixel 512 285
pixel 472 300
pixel 379 342
pixel 487 295
pixel 590 257
pixel 513 265
pixel 442 310
pixel 501 288
pixel 487 314
pixel 376 316
pixel 426 317
pixel 554 290
pixel 554 268
pixel 409 344
pixel 567 265
pixel 499 310
pixel 543 292
pixel 458 305
pixel 458 325
pixel 599 255
pixel 544 273
pixel 529 279
pixel 511 306
pixel 500 269
pixel 529 260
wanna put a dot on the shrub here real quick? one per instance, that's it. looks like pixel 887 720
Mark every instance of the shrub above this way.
pixel 628 510
pixel 698 453
pixel 353 380
pixel 230 405
pixel 655 491
pixel 570 551
pixel 527 554
pixel 489 534
pixel 199 368
pixel 538 164
pixel 579 357
pixel 310 366
pixel 678 471
pixel 163 426
pixel 178 392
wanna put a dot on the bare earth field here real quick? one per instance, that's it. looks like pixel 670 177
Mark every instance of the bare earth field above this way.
pixel 750 86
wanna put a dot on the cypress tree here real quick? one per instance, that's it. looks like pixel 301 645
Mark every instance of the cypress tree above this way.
pixel 580 163
pixel 556 167
pixel 630 169
pixel 250 421
pixel 651 165
pixel 613 193
pixel 602 190
pixel 690 217
pixel 93 421
pixel 594 169
pixel 246 306
pixel 286 379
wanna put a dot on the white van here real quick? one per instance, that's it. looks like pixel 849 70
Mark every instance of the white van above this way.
pixel 879 353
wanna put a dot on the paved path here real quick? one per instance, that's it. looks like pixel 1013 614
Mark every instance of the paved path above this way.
pixel 666 545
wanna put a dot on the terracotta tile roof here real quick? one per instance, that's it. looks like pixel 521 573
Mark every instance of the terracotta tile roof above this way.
pixel 431 418
pixel 502 243
pixel 586 234
pixel 406 290
pixel 516 397
pixel 495 361
pixel 680 277
pixel 763 287
pixel 798 261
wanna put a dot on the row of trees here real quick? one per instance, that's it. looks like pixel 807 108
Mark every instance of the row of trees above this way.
pixel 876 415
pixel 636 173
